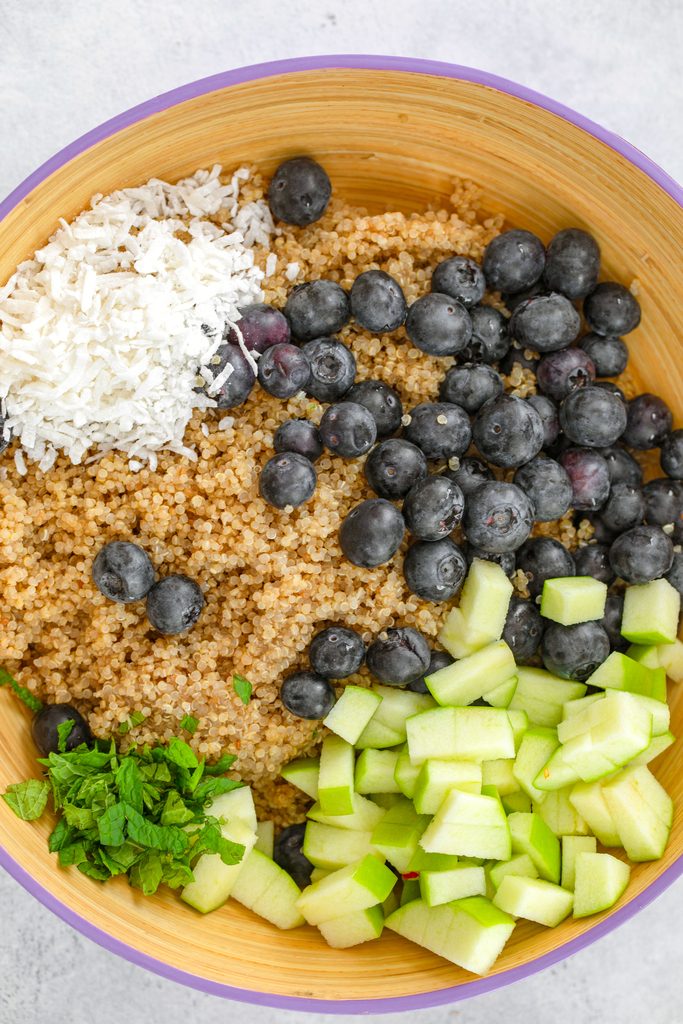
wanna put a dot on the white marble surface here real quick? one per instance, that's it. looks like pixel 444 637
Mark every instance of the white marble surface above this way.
pixel 65 66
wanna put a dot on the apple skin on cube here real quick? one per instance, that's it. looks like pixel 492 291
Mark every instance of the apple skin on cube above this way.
pixel 355 887
pixel 336 781
pixel 363 818
pixel 437 887
pixel 406 773
pixel 530 834
pixel 501 696
pixel 534 899
pixel 600 880
pixel 572 846
pixel 378 736
pixel 437 778
pixel 352 712
pixel 619 672
pixel 590 803
pixel 521 864
pixel 398 834
pixel 573 599
pixel 353 929
pixel 651 613
pixel 469 678
pixel 658 744
pixel 469 825
pixel 303 773
pixel 376 772
pixel 264 887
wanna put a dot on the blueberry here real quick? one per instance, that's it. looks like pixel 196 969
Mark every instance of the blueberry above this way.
pixel 382 401
pixel 601 534
pixel 624 508
pixel 439 325
pixel 513 261
pixel 523 629
pixel 589 477
pixel 348 429
pixel 547 410
pixel 377 302
pixel 283 371
pixel 558 373
pixel 438 660
pixel 236 388
pixel 336 652
pixel 518 356
pixel 593 560
pixel 372 533
pixel 649 422
pixel 498 517
pixel 490 340
pixel 316 309
pixel 505 559
pixel 307 695
pixel 471 386
pixel 470 474
pixel 434 570
pixel 260 326
pixel 393 466
pixel 288 853
pixel 514 299
pixel 300 436
pixel 287 479
pixel 45 724
pixel 441 429
pixel 610 309
pixel 611 621
pixel 642 554
pixel 123 572
pixel 622 467
pixel 545 323
pixel 592 417
pixel 333 368
pixel 609 355
pixel 548 486
pixel 675 573
pixel 541 559
pixel 433 508
pixel 671 456
pixel 574 652
pixel 174 604
pixel 611 388
pixel 664 505
pixel 299 191
pixel 398 656
pixel 572 263
pixel 461 278
pixel 508 431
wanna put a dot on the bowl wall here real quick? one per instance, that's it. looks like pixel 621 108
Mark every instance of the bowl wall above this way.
pixel 389 139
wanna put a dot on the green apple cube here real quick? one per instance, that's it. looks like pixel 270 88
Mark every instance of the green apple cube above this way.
pixel 333 848
pixel 590 803
pixel 303 773
pixel 354 928
pixel 536 748
pixel 378 736
pixel 355 887
pixel 238 803
pixel 335 784
pixel 386 800
pixel 600 880
pixel 573 599
pixel 556 774
pixel 470 932
pixel 432 734
pixel 352 712
pixel 642 812
pixel 437 887
pixel 519 723
pixel 398 834
pixel 265 837
pixel 572 846
pixel 499 774
pixel 468 679
pixel 660 712
pixel 264 887
pixel 560 815
pixel 542 695
pixel 406 773
pixel 214 881
pixel 318 873
pixel 646 788
pixel 671 660
pixel 469 825
pixel 459 638
pixel 398 706
pixel 651 613
pixel 485 598
pixel 575 707
pixel 483 734
pixel 522 864
pixel 375 772
pixel 410 890
pixel 501 695
pixel 437 778
pixel 423 861
pixel 607 734
pixel 658 744
pixel 647 655
pixel 364 816
pixel 619 672
pixel 518 801
pixel 533 899
pixel 530 834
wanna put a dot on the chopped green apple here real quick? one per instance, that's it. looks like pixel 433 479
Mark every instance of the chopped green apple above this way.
pixel 468 679
pixel 354 928
pixel 542 695
pixel 573 599
pixel 238 803
pixel 619 672
pixel 336 782
pixel 352 712
pixel 459 638
pixel 658 744
pixel 608 734
pixel 642 811
pixel 519 722
pixel 671 660
pixel 398 834
pixel 538 744
pixel 318 873
pixel 499 774
pixel 264 887
pixel 651 613
pixel 398 706
pixel 438 887
pixel 406 773
pixel 575 707
pixel 600 880
pixel 485 598
pixel 355 887
pixel 530 834
pixel 534 899
pixel 303 773
pixel 560 815
pixel 376 772
pixel 364 816
pixel 647 655
pixel 556 773
pixel 572 846
pixel 518 801
pixel 423 861
pixel 437 778
pixel 214 881
pixel 333 848
pixel 391 903
pixel 469 825
pixel 265 837
pixel 501 696
pixel 590 803
pixel 378 736
pixel 521 864
pixel 386 800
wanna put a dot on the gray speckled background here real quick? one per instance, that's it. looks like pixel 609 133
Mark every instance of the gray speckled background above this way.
pixel 65 66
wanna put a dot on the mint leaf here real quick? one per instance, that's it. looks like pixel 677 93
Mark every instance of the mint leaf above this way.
pixel 146 873
pixel 211 840
pixel 61 836
pixel 81 818
pixel 177 873
pixel 137 718
pixel 73 853
pixel 96 871
pixel 111 826
pixel 189 723
pixel 196 776
pixel 175 811
pixel 63 732
pixel 242 688
pixel 120 858
pixel 129 783
pixel 181 753
pixel 214 787
pixel 31 701
pixel 168 838
pixel 27 799
pixel 222 765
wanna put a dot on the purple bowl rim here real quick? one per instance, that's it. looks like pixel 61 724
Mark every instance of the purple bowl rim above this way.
pixel 192 90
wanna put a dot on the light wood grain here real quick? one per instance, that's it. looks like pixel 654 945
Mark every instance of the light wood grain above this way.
pixel 389 140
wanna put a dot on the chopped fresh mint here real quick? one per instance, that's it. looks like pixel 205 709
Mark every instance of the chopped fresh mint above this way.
pixel 222 765
pixel 189 723
pixel 137 718
pixel 63 733
pixel 28 799
pixel 242 688
pixel 31 702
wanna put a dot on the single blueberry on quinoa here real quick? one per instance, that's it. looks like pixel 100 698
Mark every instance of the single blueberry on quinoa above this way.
pixel 609 355
pixel 593 560
pixel 589 477
pixel 572 263
pixel 663 499
pixel 438 325
pixel 505 559
pixel 348 429
pixel 398 656
pixel 642 554
pixel 317 309
pixel 545 323
pixel 288 853
pixel 377 302
pixel 441 429
pixel 498 517
pixel 123 572
pixel 470 474
pixel 333 369
pixel 541 559
pixel 610 309
pixel 372 533
pixel 513 261
pixel 547 484
pixel 283 371
pixel 490 340
pixel 550 419
pixel 438 660
pixel 382 401
pixel 574 652
pixel 287 479
pixel 671 455
pixel 307 695
pixel 461 278
pixel 624 508
pixel 237 386
pixel 508 431
pixel 611 622
pixel 336 652
pixel 299 191
pixel 593 418
pixel 260 326
pixel 174 604
pixel 393 466
pixel 523 629
pixel 434 570
pixel 300 436
pixel 649 422
pixel 45 724
pixel 470 386
pixel 558 373
pixel 622 467
pixel 433 508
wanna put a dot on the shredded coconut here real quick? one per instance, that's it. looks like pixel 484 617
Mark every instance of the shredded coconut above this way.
pixel 105 332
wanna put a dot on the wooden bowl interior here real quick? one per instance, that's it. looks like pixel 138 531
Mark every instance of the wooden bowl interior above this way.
pixel 389 140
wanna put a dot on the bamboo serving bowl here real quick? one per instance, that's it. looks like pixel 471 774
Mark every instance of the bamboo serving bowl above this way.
pixel 391 133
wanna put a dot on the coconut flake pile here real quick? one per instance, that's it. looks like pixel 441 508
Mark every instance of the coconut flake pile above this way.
pixel 104 332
